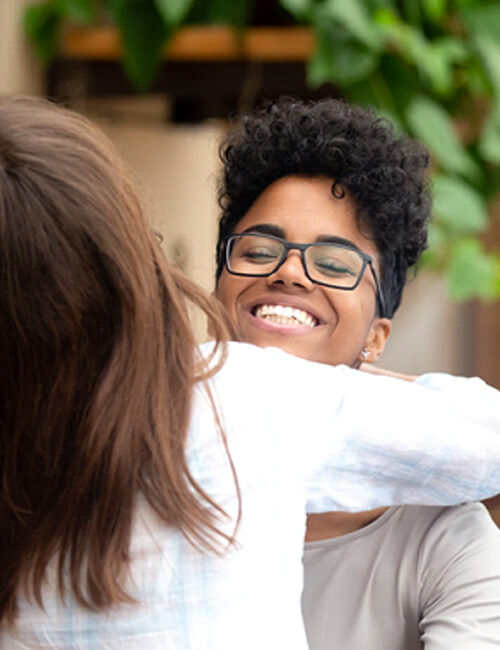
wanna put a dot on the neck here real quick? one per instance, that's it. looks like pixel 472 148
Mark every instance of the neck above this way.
pixel 328 525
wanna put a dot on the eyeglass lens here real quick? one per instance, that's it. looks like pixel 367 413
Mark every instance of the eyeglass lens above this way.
pixel 328 263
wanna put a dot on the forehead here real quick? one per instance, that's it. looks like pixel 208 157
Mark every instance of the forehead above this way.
pixel 305 209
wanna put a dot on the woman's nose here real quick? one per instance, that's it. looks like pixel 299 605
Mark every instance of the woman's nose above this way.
pixel 291 273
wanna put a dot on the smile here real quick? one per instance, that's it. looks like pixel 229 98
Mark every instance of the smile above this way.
pixel 284 315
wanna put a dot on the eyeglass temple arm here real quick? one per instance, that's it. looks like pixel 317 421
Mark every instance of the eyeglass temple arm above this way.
pixel 380 295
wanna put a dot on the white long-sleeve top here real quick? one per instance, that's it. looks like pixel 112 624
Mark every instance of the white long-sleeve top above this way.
pixel 303 437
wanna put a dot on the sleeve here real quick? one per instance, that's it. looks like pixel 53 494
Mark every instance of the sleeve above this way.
pixel 468 388
pixel 460 581
pixel 364 441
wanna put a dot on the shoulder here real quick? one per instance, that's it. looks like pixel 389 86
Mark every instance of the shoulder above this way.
pixel 272 383
pixel 447 527
pixel 428 526
pixel 432 517
pixel 459 579
pixel 442 535
pixel 460 524
pixel 461 544
pixel 261 398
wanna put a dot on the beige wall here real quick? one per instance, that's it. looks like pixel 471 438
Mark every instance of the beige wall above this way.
pixel 429 333
pixel 176 169
pixel 20 73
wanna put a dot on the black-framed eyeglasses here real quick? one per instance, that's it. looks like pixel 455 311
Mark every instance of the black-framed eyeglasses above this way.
pixel 330 264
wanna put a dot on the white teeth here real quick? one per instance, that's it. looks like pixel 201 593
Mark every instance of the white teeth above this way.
pixel 285 315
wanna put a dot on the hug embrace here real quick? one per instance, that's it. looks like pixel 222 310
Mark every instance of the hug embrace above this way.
pixel 155 493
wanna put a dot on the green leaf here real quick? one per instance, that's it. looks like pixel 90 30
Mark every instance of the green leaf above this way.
pixel 489 141
pixel 411 12
pixel 409 40
pixel 482 20
pixel 473 273
pixel 114 7
pixel 376 5
pixel 82 11
pixel 173 11
pixel 219 12
pixel 434 60
pixel 430 123
pixel 434 9
pixel 475 79
pixel 490 53
pixel 42 24
pixel 354 18
pixel 386 16
pixel 298 8
pixel 436 67
pixel 143 34
pixel 402 79
pixel 459 207
pixel 338 59
pixel 434 257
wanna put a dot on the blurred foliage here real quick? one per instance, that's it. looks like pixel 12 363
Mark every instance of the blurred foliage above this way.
pixel 431 66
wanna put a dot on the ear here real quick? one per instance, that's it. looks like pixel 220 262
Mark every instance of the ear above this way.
pixel 376 340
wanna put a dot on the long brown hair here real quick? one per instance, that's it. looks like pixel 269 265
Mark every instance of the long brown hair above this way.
pixel 98 363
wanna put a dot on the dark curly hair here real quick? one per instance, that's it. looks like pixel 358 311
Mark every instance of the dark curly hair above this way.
pixel 383 173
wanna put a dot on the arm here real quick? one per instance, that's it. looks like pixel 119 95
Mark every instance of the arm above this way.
pixel 444 382
pixel 460 582
pixel 436 443
pixel 366 441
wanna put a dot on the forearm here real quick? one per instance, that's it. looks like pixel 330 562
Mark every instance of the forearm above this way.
pixel 419 444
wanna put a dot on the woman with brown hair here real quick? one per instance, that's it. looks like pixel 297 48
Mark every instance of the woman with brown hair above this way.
pixel 132 510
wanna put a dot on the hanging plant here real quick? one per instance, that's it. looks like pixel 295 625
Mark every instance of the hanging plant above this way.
pixel 431 66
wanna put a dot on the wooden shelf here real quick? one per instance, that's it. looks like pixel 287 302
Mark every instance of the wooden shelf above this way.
pixel 207 71
pixel 217 43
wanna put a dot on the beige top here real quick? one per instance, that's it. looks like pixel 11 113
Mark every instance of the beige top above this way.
pixel 418 577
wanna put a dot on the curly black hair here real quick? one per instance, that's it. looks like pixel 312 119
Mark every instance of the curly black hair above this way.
pixel 383 173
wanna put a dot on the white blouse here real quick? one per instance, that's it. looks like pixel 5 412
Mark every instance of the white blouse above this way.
pixel 304 437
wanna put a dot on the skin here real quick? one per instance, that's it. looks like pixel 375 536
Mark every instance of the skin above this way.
pixel 303 209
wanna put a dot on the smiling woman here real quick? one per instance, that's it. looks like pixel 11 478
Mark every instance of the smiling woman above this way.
pixel 311 195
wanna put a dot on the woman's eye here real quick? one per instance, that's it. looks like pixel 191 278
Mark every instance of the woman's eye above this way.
pixel 333 267
pixel 260 255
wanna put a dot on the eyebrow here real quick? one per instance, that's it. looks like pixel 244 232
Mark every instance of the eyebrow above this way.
pixel 271 229
pixel 265 229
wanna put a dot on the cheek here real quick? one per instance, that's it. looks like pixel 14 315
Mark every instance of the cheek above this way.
pixel 359 306
pixel 350 307
pixel 231 289
pixel 354 317
pixel 224 292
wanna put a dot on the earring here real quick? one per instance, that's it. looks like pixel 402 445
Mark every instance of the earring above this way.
pixel 365 353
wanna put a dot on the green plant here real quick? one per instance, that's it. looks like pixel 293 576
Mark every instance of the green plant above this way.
pixel 431 66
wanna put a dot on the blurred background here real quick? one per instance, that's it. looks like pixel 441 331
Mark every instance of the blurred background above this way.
pixel 162 77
